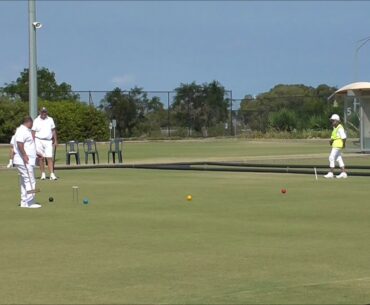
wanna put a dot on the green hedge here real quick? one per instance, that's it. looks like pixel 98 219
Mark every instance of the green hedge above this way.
pixel 74 120
pixel 11 114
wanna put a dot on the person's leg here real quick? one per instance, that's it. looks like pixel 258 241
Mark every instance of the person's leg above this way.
pixel 22 175
pixel 332 158
pixel 42 168
pixel 30 184
pixel 51 169
pixel 31 197
pixel 49 155
pixel 41 152
pixel 50 165
pixel 343 173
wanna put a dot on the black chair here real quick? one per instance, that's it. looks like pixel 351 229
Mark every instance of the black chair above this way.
pixel 115 147
pixel 72 149
pixel 90 149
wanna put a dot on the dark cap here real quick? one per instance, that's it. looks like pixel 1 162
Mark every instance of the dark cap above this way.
pixel 43 109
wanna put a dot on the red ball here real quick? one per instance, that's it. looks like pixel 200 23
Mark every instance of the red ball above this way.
pixel 283 191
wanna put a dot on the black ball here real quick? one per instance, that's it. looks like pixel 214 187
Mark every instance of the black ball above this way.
pixel 51 199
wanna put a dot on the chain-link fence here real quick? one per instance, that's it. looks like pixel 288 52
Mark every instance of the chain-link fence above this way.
pixel 165 114
pixel 166 119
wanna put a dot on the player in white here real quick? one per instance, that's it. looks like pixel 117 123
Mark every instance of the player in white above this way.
pixel 338 143
pixel 45 136
pixel 25 159
pixel 11 152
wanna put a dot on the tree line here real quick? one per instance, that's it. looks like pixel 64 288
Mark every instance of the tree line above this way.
pixel 196 109
pixel 289 107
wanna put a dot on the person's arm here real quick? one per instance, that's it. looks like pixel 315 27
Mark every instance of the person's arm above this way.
pixel 11 153
pixel 55 137
pixel 34 128
pixel 11 156
pixel 343 136
pixel 53 131
pixel 23 152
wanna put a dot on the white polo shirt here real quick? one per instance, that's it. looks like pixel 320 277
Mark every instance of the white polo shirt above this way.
pixel 24 135
pixel 12 141
pixel 43 128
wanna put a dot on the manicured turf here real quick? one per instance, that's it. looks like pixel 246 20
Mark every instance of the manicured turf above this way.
pixel 140 241
pixel 268 151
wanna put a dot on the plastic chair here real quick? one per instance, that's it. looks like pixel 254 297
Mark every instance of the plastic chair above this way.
pixel 72 149
pixel 115 147
pixel 90 149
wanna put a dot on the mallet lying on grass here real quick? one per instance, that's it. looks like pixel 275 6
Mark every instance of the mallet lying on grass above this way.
pixel 33 191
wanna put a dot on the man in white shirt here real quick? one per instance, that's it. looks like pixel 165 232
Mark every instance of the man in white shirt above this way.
pixel 24 159
pixel 45 136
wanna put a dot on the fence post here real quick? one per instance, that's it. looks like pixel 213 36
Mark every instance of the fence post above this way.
pixel 231 113
pixel 188 118
pixel 168 115
pixel 91 102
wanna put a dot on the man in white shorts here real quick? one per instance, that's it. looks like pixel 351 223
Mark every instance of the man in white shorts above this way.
pixel 45 136
pixel 25 159
pixel 337 142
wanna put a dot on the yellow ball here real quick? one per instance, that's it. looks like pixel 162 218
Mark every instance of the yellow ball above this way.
pixel 189 198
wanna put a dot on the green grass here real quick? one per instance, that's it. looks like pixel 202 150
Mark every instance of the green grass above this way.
pixel 139 241
pixel 240 241
pixel 269 151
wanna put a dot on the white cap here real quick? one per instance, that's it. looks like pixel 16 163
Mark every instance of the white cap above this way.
pixel 335 117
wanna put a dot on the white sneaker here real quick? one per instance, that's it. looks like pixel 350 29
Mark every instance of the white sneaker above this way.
pixel 34 206
pixel 43 176
pixel 329 175
pixel 30 206
pixel 342 175
pixel 53 177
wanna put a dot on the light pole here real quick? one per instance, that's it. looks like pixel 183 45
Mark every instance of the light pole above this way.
pixel 363 42
pixel 33 26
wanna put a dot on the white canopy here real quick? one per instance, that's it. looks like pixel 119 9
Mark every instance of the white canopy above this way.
pixel 360 92
pixel 359 86
pixel 354 86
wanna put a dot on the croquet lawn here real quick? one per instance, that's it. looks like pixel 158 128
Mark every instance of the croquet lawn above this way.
pixel 139 241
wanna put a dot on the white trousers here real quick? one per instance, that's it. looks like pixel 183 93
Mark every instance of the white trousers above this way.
pixel 336 156
pixel 27 183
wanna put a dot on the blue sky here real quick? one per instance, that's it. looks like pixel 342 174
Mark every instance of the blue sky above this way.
pixel 249 46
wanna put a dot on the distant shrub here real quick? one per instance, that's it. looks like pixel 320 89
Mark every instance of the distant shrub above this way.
pixel 74 120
